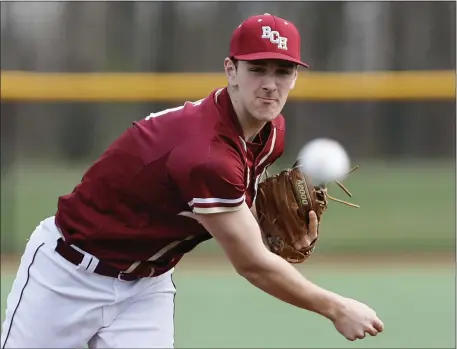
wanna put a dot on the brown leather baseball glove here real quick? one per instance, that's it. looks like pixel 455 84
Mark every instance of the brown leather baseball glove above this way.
pixel 283 203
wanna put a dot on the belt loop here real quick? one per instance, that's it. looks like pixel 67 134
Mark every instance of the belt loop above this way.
pixel 85 263
pixel 93 263
pixel 123 276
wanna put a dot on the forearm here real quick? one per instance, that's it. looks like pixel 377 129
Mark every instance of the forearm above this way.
pixel 239 235
pixel 281 280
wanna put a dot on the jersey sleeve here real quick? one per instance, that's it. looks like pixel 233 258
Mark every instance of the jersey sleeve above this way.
pixel 215 187
pixel 212 184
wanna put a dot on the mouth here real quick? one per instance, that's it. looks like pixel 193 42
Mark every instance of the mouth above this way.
pixel 268 100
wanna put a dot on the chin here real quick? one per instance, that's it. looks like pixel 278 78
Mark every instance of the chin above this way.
pixel 267 116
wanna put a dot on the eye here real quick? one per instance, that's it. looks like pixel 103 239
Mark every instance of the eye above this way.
pixel 284 71
pixel 257 69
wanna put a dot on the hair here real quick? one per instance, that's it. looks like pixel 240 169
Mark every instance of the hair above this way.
pixel 235 62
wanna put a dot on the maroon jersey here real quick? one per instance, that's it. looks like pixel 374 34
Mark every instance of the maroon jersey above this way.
pixel 126 210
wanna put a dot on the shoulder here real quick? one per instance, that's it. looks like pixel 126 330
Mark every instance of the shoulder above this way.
pixel 162 131
pixel 220 162
pixel 209 176
pixel 219 184
pixel 187 114
pixel 206 156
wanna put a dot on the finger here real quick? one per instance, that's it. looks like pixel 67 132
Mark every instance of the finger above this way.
pixel 356 336
pixel 371 331
pixel 302 243
pixel 378 325
pixel 313 225
pixel 351 338
pixel 361 335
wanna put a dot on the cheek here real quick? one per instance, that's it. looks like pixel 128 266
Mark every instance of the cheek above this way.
pixel 248 91
pixel 249 85
pixel 284 88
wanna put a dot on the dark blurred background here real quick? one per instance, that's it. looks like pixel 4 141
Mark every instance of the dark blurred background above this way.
pixel 406 146
pixel 194 37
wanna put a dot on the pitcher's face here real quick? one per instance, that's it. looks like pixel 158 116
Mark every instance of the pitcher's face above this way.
pixel 264 85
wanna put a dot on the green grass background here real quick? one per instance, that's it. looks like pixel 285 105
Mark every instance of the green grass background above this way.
pixel 406 208
pixel 404 205
pixel 218 309
pixel 416 313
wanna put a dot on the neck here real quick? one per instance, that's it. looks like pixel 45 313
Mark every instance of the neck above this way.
pixel 251 126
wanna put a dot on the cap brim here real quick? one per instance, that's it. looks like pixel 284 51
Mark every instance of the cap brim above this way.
pixel 269 55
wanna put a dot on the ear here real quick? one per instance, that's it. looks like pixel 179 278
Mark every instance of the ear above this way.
pixel 230 71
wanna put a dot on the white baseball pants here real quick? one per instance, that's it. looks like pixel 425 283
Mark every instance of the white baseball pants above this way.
pixel 55 304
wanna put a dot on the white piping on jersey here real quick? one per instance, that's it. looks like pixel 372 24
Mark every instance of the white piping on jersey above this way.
pixel 272 146
pixel 244 144
pixel 168 248
pixel 170 110
pixel 248 179
pixel 215 200
pixel 217 209
pixel 256 183
pixel 158 254
pixel 218 92
pixel 132 267
pixel 273 141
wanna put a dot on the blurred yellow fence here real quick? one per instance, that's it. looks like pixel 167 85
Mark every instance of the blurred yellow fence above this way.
pixel 138 87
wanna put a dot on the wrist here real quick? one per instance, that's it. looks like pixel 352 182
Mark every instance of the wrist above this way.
pixel 331 305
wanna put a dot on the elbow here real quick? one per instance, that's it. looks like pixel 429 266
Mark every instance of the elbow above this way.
pixel 244 269
pixel 250 268
pixel 253 276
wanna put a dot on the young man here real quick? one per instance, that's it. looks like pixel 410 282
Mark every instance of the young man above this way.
pixel 99 272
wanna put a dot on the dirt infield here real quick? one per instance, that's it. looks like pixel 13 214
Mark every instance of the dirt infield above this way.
pixel 217 262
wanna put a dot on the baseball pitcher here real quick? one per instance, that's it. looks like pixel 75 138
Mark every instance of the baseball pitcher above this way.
pixel 103 264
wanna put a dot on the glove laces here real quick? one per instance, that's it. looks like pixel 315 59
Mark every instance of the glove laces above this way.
pixel 324 189
pixel 344 189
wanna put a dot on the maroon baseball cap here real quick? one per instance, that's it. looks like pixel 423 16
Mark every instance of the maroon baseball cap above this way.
pixel 266 37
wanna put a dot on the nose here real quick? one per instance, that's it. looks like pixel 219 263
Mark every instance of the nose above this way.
pixel 269 83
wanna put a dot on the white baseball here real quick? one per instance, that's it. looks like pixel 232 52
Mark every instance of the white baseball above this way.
pixel 324 160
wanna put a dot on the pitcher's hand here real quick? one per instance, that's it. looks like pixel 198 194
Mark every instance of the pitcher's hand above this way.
pixel 354 319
